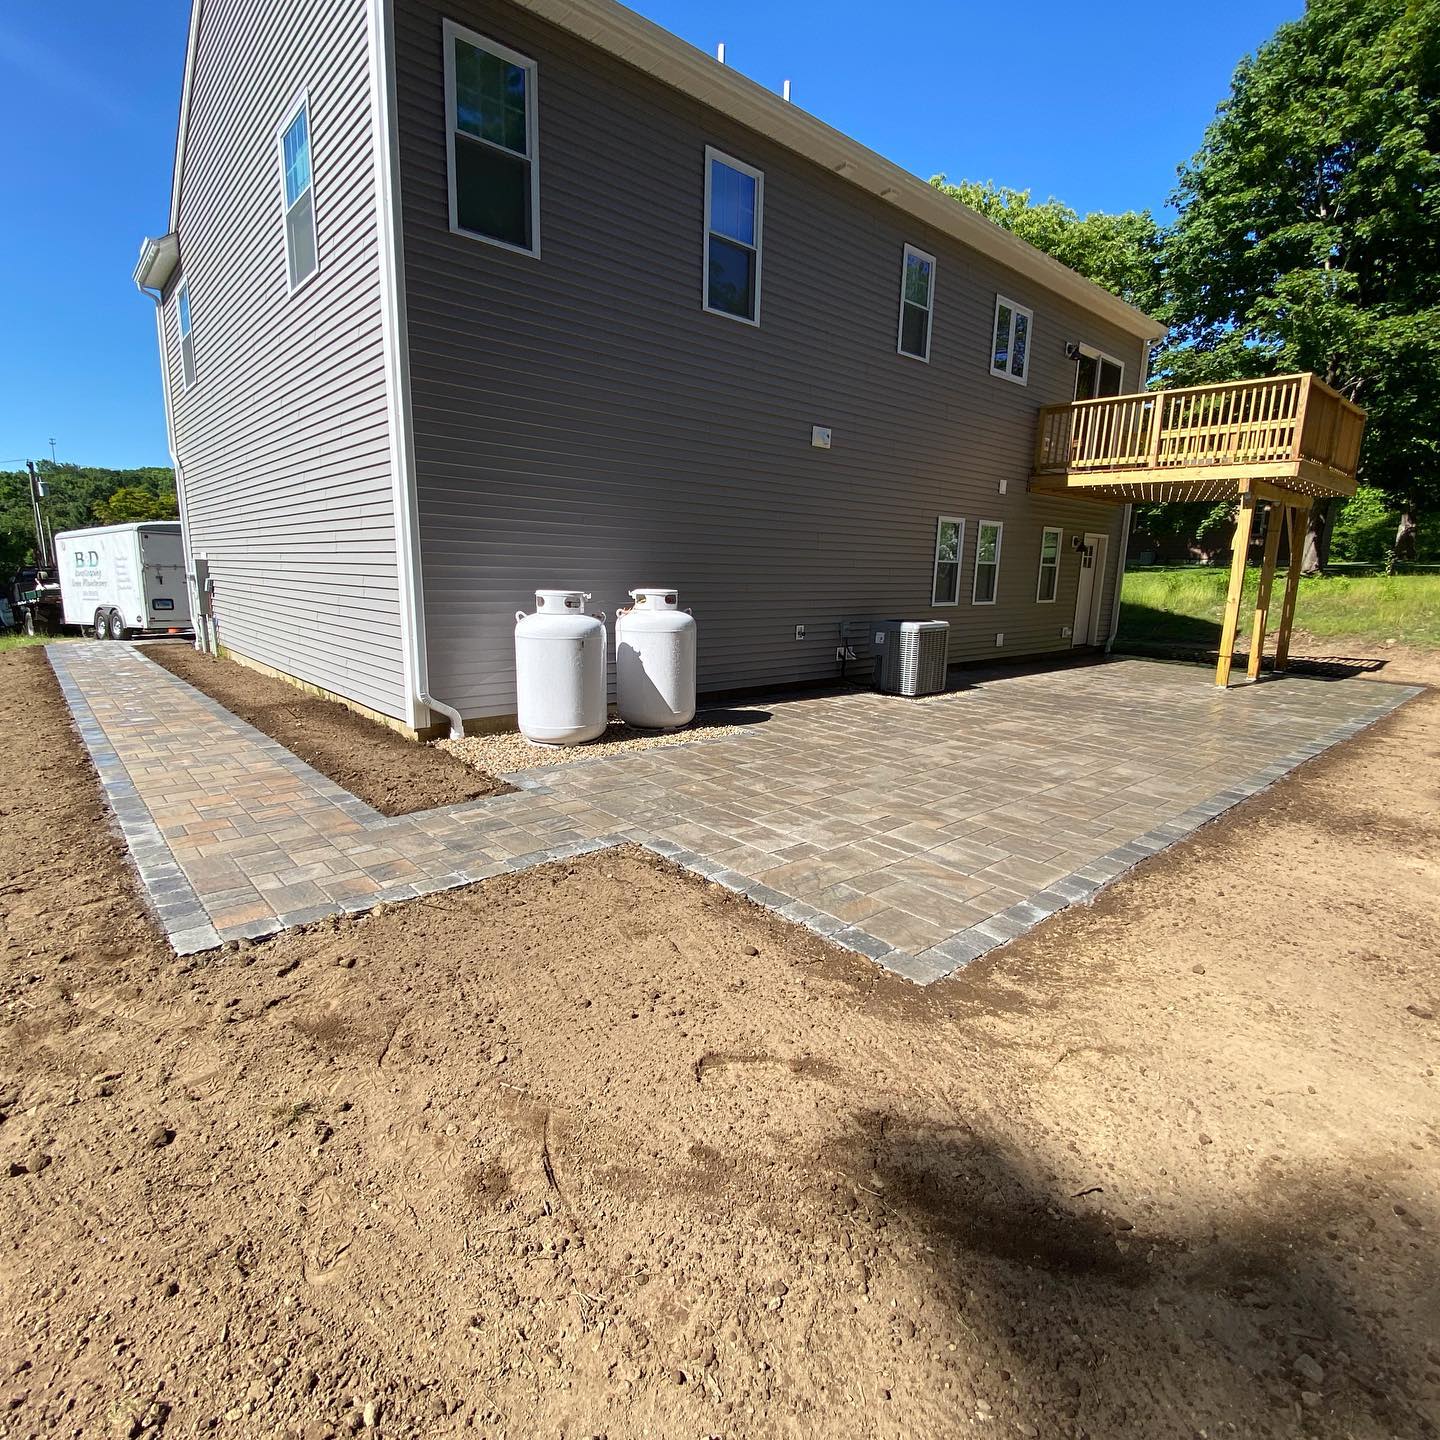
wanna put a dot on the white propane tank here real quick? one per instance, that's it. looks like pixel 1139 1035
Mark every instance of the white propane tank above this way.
pixel 655 661
pixel 560 670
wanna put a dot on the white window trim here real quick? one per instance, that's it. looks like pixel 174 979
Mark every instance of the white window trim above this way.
pixel 301 102
pixel 712 154
pixel 1010 343
pixel 900 349
pixel 999 546
pixel 452 32
pixel 959 522
pixel 191 381
pixel 1097 354
pixel 1059 533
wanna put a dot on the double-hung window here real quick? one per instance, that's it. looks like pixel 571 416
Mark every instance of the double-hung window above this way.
pixel 987 562
pixel 1010 354
pixel 491 123
pixel 187 339
pixel 949 542
pixel 917 303
pixel 302 252
pixel 1048 585
pixel 734 216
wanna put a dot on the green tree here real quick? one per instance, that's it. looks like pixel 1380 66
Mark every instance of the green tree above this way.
pixel 1308 235
pixel 135 502
pixel 76 496
pixel 1124 252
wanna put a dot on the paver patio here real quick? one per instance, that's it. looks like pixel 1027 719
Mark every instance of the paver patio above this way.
pixel 920 833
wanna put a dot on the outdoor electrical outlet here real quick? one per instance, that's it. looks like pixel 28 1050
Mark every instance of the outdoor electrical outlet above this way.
pixel 999 637
pixel 1003 485
pixel 844 653
pixel 799 632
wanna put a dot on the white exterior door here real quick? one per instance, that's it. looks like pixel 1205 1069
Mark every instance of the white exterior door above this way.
pixel 1089 591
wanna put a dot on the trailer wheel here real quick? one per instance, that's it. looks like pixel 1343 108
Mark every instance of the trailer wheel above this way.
pixel 118 630
pixel 101 628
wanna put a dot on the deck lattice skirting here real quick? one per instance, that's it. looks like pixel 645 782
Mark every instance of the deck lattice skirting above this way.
pixel 830 814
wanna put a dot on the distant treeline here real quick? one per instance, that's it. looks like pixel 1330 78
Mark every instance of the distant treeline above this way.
pixel 76 496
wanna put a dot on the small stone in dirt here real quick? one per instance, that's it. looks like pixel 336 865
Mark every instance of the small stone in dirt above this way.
pixel 170 1289
pixel 678 1376
pixel 160 1137
pixel 1121 1223
pixel 750 950
pixel 1197 969
pixel 37 1162
pixel 1311 1399
pixel 370 1414
pixel 1421 1012
pixel 289 969
pixel 346 962
pixel 15 1168
pixel 1308 1368
pixel 499 1058
pixel 1205 1139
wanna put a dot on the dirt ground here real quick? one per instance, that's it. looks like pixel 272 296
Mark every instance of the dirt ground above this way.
pixel 600 1150
pixel 383 768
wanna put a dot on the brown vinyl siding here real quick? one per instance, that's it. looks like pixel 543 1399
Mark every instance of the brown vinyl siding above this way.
pixel 284 440
pixel 580 420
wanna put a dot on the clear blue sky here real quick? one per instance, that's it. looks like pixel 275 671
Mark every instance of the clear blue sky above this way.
pixel 1102 104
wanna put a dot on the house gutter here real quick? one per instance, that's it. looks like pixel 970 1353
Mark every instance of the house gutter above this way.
pixel 158 261
pixel 385 138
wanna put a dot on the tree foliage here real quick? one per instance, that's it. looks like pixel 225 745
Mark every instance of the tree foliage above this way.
pixel 77 496
pixel 1308 234
pixel 1123 252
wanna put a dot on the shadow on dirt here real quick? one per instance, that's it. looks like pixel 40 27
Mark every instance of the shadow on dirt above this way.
pixel 1258 1324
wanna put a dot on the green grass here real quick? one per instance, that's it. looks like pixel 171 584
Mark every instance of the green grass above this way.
pixel 1185 605
pixel 18 642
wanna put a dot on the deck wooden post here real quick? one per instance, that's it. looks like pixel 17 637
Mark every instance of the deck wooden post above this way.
pixel 1277 515
pixel 1295 521
pixel 1241 543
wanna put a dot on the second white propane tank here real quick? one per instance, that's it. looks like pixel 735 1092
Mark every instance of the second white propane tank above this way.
pixel 560 670
pixel 655 661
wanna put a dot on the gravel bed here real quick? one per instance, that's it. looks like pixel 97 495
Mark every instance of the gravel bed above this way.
pixel 506 753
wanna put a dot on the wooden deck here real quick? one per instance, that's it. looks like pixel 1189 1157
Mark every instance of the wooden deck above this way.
pixel 1291 435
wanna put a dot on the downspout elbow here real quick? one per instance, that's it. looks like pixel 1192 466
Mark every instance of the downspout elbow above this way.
pixel 457 725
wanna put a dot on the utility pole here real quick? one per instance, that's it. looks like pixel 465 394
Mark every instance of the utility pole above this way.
pixel 52 450
pixel 37 494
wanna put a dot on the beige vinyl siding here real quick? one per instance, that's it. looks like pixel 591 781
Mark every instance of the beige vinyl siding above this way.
pixel 284 439
pixel 581 421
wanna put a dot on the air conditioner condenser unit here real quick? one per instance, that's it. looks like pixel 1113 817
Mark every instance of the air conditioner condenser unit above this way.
pixel 911 655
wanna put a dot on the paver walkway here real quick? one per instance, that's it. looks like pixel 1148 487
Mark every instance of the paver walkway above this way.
pixel 920 833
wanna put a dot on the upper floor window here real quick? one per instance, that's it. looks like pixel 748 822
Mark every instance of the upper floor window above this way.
pixel 302 253
pixel 1049 582
pixel 1010 355
pixel 949 541
pixel 734 215
pixel 187 339
pixel 490 112
pixel 987 562
pixel 917 303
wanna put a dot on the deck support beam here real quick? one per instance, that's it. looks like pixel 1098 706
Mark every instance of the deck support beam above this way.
pixel 1275 521
pixel 1295 524
pixel 1241 547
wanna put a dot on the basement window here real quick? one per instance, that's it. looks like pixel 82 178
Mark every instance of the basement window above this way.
pixel 949 542
pixel 734 214
pixel 187 339
pixel 917 303
pixel 987 562
pixel 490 113
pixel 302 251
pixel 1010 355
pixel 1048 585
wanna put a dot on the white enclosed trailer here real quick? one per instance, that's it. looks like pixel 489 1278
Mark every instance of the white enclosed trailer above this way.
pixel 122 580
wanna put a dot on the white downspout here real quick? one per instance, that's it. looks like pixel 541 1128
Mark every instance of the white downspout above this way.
pixel 1129 512
pixel 198 622
pixel 395 329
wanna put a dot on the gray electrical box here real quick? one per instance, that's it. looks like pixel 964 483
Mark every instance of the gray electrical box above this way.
pixel 911 655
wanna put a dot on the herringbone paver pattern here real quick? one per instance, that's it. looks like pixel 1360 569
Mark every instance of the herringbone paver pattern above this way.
pixel 921 833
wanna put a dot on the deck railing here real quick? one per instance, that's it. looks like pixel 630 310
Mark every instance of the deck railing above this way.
pixel 1286 419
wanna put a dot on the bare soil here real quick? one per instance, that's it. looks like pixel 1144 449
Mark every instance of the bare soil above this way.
pixel 382 767
pixel 602 1150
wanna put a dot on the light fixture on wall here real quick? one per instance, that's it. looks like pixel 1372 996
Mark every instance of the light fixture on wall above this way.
pixel 1077 542
pixel 1072 350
